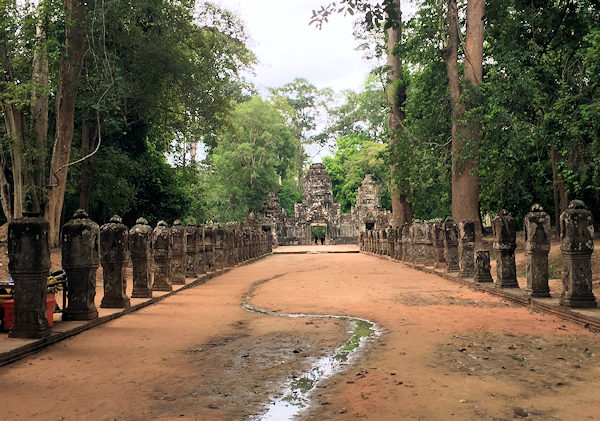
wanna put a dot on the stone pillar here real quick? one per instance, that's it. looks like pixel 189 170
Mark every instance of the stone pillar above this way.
pixel 405 242
pixel 113 257
pixel 200 246
pixel 140 248
pixel 420 243
pixel 80 260
pixel 161 245
pixel 451 245
pixel 438 244
pixel 29 266
pixel 482 267
pixel 191 251
pixel 209 241
pixel 398 245
pixel 537 246
pixel 505 243
pixel 576 246
pixel 219 251
pixel 466 249
pixel 429 243
pixel 177 253
pixel 238 245
pixel 391 242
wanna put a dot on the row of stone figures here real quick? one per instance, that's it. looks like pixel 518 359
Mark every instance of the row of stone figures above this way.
pixel 452 246
pixel 160 258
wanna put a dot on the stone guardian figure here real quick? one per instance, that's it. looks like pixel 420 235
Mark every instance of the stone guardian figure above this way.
pixel 537 246
pixel 451 245
pixel 80 260
pixel 577 246
pixel 161 246
pixel 114 245
pixel 140 247
pixel 505 242
pixel 466 249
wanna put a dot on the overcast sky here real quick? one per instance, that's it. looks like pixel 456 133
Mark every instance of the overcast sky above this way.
pixel 287 47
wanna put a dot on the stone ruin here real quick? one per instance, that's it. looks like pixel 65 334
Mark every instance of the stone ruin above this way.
pixel 159 258
pixel 318 209
pixel 417 243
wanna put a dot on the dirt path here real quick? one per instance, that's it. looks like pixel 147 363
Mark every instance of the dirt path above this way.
pixel 446 352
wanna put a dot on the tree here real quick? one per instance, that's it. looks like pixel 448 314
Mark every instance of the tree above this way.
pixel 253 155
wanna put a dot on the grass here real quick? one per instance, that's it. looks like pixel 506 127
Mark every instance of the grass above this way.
pixel 362 330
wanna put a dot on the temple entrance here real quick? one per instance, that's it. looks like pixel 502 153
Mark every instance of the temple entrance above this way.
pixel 318 234
pixel 369 226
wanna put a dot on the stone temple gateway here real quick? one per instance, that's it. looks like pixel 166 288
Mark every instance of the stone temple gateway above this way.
pixel 318 210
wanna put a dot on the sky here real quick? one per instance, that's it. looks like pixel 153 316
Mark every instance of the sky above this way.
pixel 288 47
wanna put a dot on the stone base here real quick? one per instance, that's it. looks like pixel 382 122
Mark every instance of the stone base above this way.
pixel 538 294
pixel 178 281
pixel 141 293
pixel 483 278
pixel 37 330
pixel 579 302
pixel 507 283
pixel 115 303
pixel 72 316
pixel 162 288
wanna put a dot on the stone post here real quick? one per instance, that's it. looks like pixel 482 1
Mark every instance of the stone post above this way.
pixel 113 257
pixel 537 246
pixel 438 244
pixel 219 250
pixel 209 257
pixel 406 242
pixel 466 249
pixel 576 246
pixel 140 248
pixel 429 243
pixel 391 242
pixel 177 253
pixel 398 245
pixel 451 245
pixel 80 260
pixel 505 243
pixel 29 266
pixel 191 251
pixel 162 257
pixel 202 264
pixel 420 243
pixel 482 267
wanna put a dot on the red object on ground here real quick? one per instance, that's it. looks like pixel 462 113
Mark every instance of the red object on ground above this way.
pixel 9 312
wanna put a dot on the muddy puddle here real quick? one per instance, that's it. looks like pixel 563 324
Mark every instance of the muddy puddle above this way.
pixel 295 394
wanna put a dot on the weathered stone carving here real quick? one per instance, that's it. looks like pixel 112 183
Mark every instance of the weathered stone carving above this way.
pixel 451 245
pixel 218 247
pixel 177 253
pixel 140 246
pixel 438 243
pixel 209 251
pixel 406 240
pixel 505 242
pixel 419 243
pixel 482 267
pixel 192 257
pixel 466 249
pixel 80 260
pixel 429 243
pixel 29 265
pixel 161 245
pixel 398 244
pixel 537 247
pixel 577 246
pixel 113 257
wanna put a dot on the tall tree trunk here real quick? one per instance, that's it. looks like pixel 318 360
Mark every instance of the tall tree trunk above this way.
pixel 15 127
pixel 88 140
pixel 465 135
pixel 402 210
pixel 68 83
pixel 39 116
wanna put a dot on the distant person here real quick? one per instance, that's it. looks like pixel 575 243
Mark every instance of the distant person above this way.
pixel 322 240
pixel 316 241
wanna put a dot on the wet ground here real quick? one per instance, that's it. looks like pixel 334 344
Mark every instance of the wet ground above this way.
pixel 444 352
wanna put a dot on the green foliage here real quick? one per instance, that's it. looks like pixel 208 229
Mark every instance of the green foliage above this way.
pixel 356 156
pixel 252 156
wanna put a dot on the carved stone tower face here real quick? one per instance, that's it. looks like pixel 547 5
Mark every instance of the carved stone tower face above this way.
pixel 317 187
